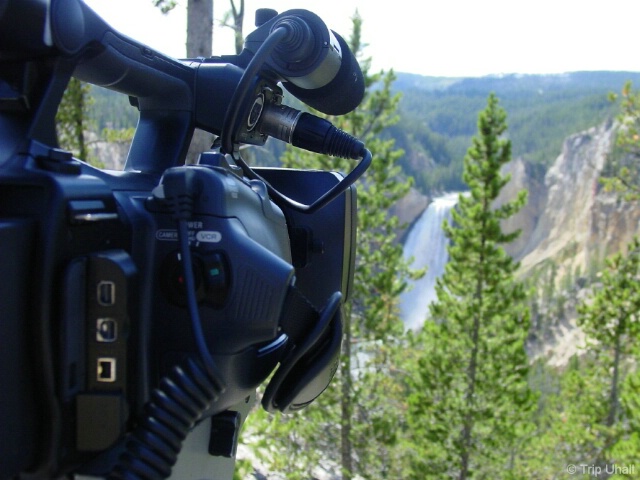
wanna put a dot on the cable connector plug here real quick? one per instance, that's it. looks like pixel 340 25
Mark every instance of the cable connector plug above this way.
pixel 308 131
pixel 179 189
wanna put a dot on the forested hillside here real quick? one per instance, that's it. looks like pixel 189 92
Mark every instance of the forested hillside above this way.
pixel 111 110
pixel 438 117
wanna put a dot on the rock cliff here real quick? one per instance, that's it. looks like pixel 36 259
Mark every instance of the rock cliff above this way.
pixel 569 219
pixel 569 226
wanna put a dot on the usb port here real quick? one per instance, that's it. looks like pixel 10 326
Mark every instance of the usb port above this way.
pixel 106 293
pixel 106 369
pixel 106 330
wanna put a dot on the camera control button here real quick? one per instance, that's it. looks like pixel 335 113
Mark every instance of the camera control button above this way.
pixel 172 274
pixel 216 279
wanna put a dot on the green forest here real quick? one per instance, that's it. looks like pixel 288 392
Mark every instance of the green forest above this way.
pixel 460 398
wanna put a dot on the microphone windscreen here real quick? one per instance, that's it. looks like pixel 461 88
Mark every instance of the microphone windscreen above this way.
pixel 342 94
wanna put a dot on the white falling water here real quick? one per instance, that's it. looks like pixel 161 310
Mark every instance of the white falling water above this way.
pixel 427 245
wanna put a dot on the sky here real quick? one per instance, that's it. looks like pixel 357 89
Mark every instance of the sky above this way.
pixel 451 38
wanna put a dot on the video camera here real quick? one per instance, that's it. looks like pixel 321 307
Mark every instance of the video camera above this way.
pixel 141 306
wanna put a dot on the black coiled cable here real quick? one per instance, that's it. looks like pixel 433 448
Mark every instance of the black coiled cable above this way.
pixel 190 388
pixel 174 409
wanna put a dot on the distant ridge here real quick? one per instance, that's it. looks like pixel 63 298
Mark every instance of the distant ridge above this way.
pixel 516 81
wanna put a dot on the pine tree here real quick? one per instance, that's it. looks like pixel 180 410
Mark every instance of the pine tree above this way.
pixel 623 165
pixel 234 19
pixel 627 448
pixel 470 400
pixel 611 320
pixel 353 425
pixel 569 424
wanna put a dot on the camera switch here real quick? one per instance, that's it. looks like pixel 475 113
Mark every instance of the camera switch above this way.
pixel 106 371
pixel 106 330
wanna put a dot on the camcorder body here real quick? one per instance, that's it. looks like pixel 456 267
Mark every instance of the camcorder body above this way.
pixel 138 306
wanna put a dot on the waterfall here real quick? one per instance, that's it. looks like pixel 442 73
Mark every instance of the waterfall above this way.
pixel 427 245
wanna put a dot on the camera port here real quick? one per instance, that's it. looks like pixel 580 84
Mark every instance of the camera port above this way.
pixel 106 369
pixel 106 293
pixel 106 330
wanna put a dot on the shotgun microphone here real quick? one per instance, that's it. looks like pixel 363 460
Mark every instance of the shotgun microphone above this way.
pixel 315 63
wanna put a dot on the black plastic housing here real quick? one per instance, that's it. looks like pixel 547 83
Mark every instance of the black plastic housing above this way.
pixel 95 318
